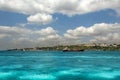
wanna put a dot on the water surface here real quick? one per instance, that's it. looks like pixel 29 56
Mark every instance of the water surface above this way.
pixel 58 65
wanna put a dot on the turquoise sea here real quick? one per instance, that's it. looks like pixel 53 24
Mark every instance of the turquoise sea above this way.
pixel 58 65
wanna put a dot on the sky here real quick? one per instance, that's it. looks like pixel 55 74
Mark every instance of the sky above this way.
pixel 33 23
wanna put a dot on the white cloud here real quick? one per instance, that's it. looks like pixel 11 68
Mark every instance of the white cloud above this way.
pixel 107 33
pixel 108 38
pixel 3 36
pixel 17 37
pixel 40 18
pixel 69 7
pixel 47 31
pixel 73 7
pixel 36 8
pixel 26 6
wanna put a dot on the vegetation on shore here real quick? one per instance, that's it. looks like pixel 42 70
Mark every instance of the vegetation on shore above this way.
pixel 71 47
pixel 77 47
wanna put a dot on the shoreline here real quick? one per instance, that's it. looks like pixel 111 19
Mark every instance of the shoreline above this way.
pixel 85 47
pixel 56 50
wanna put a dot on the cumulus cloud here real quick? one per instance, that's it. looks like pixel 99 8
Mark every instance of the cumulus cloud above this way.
pixel 53 6
pixel 40 19
pixel 86 6
pixel 17 37
pixel 41 11
pixel 104 33
pixel 26 6
pixel 38 10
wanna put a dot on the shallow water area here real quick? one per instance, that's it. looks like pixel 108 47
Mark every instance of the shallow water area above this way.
pixel 58 65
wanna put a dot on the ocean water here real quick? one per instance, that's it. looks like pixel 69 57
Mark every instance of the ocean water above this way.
pixel 58 65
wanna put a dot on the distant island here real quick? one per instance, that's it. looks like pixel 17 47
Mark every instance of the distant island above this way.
pixel 92 46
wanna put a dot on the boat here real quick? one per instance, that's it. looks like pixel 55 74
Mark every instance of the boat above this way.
pixel 66 49
pixel 73 50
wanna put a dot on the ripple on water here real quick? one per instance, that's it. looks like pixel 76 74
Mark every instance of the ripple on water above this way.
pixel 71 74
pixel 8 76
pixel 11 67
pixel 107 75
pixel 101 74
pixel 5 74
pixel 38 77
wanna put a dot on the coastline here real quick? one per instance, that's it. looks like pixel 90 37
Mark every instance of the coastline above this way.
pixel 71 48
